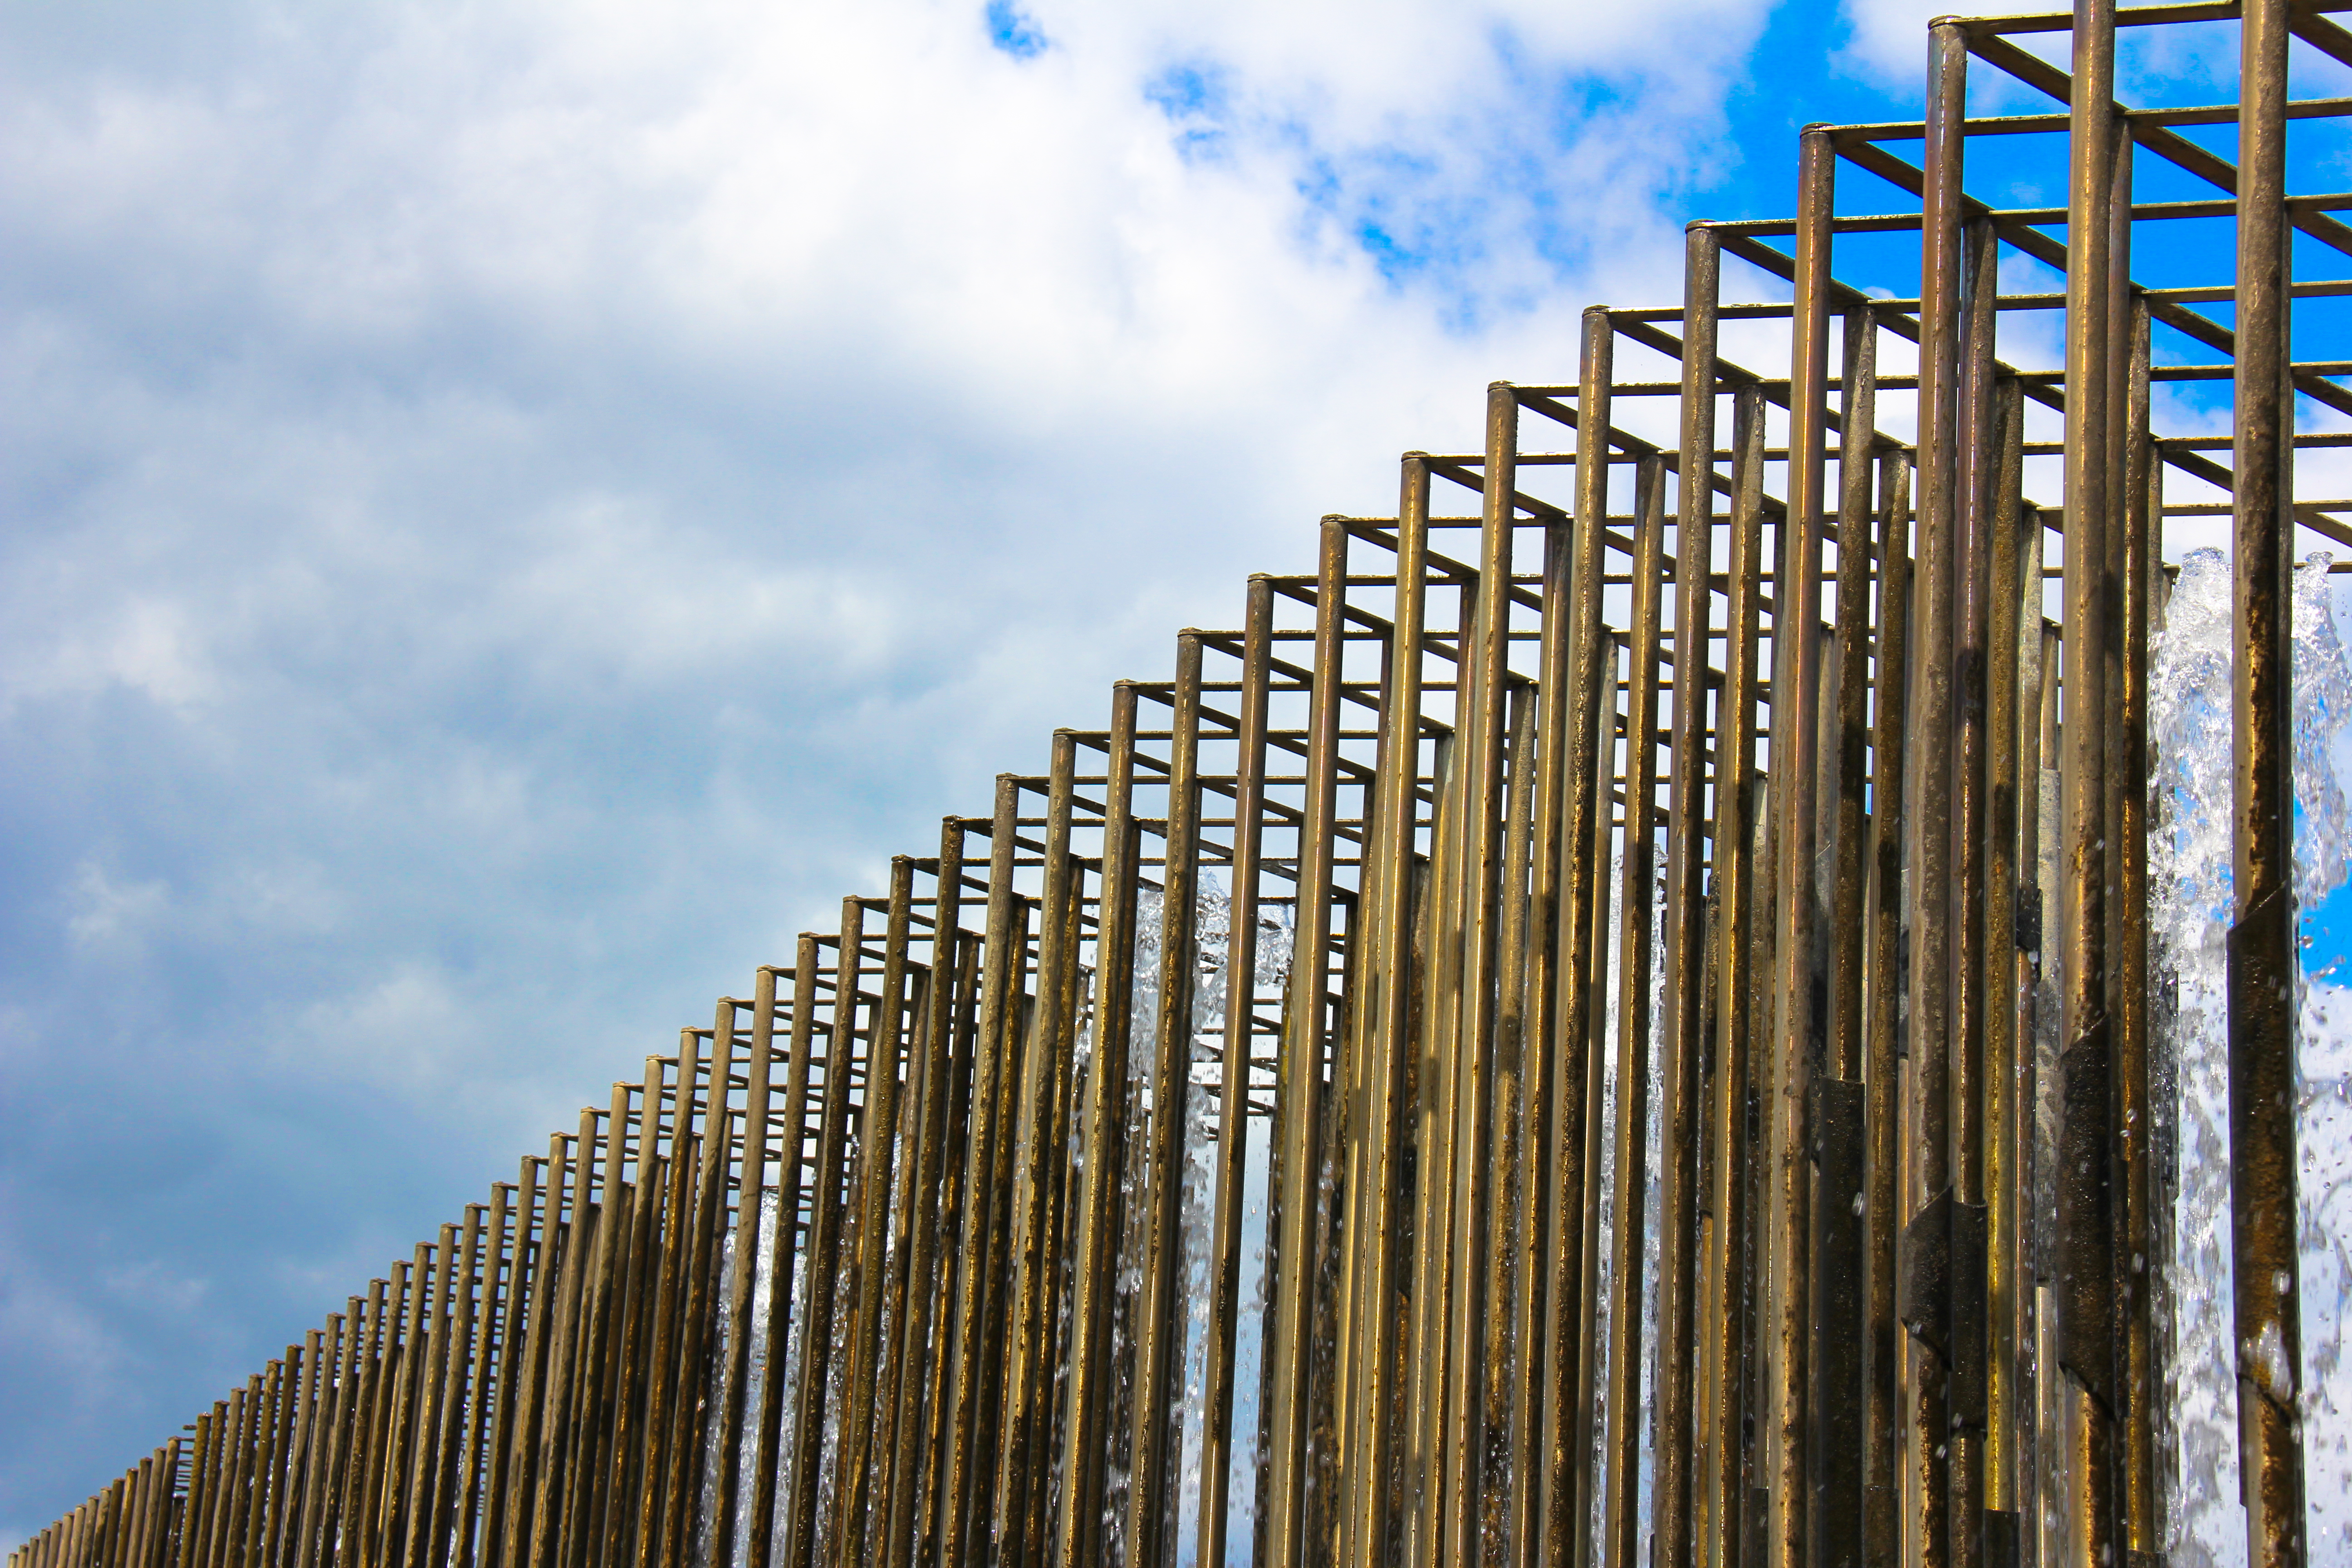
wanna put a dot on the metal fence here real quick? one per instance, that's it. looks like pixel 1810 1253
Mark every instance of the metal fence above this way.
pixel 1505 1056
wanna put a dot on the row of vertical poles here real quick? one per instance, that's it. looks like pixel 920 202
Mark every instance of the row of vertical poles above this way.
pixel 895 1258
pixel 1267 1133
pixel 493 1401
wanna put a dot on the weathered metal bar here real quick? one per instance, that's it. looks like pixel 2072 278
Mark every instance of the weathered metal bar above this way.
pixel 1933 718
pixel 1233 1074
pixel 325 1481
pixel 1508 1154
pixel 1151 1473
pixel 1575 1178
pixel 1027 1405
pixel 674 1190
pixel 1964 1328
pixel 749 1218
pixel 2086 1233
pixel 2026 1320
pixel 1719 1482
pixel 2128 822
pixel 600 1140
pixel 1422 1379
pixel 381 1417
pixel 768 1467
pixel 699 1259
pixel 955 1198
pixel 1481 729
pixel 1839 1138
pixel 285 1412
pixel 2265 1264
pixel 415 1515
pixel 636 1297
pixel 1621 1539
pixel 1382 1094
pixel 558 1396
pixel 493 1326
pixel 1685 1043
pixel 892 1382
pixel 429 1531
pixel 352 1482
pixel 2006 605
pixel 1298 1089
pixel 877 1154
pixel 926 1214
pixel 1089 1408
pixel 1799 984
pixel 503 1484
pixel 973 1287
pixel 812 1431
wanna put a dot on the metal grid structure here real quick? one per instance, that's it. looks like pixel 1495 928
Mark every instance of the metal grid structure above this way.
pixel 1267 1135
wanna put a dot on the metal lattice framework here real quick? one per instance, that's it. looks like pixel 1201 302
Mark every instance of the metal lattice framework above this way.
pixel 1347 937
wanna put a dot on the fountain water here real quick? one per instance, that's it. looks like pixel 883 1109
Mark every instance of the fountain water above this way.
pixel 2190 871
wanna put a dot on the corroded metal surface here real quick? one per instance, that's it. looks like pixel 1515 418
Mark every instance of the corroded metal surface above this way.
pixel 1271 1135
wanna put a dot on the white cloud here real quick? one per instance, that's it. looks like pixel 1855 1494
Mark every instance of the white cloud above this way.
pixel 105 911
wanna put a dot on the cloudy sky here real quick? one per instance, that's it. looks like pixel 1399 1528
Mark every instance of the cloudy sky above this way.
pixel 513 508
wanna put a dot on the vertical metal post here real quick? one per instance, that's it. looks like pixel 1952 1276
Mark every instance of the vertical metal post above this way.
pixel 2266 1266
pixel 854 1479
pixel 1029 1350
pixel 1480 750
pixel 1233 1110
pixel 1567 1528
pixel 927 1280
pixel 1799 1033
pixel 2086 1233
pixel 1687 808
pixel 1621 1539
pixel 1371 1419
pixel 1087 1400
pixel 1159 1331
pixel 827 1202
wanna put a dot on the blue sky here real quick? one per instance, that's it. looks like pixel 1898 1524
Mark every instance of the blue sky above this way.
pixel 515 508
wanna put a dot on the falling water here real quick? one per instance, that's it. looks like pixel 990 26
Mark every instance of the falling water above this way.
pixel 1143 1029
pixel 2189 867
pixel 1200 1133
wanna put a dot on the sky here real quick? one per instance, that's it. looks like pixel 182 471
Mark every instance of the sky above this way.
pixel 512 509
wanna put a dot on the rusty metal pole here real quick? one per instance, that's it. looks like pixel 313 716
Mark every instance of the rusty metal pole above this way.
pixel 2266 1264
pixel 854 1479
pixel 1232 1110
pixel 1621 1537
pixel 814 1432
pixel 1481 732
pixel 1685 1045
pixel 927 1279
pixel 1160 1331
pixel 1839 1139
pixel 1567 1530
pixel 1029 1350
pixel 1933 716
pixel 2007 602
pixel 1719 1481
pixel 1370 1425
pixel 2086 1233
pixel 1799 1033
pixel 1088 1405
